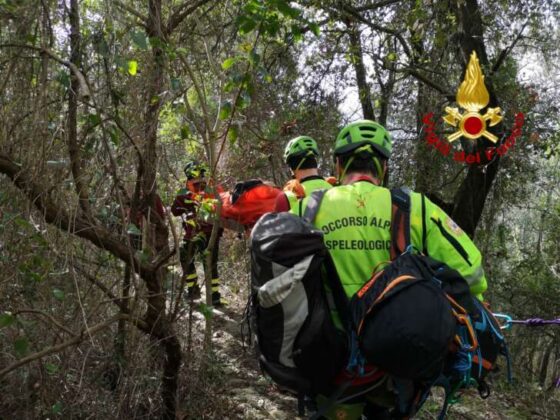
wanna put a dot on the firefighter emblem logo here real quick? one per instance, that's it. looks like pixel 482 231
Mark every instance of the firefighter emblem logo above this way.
pixel 472 96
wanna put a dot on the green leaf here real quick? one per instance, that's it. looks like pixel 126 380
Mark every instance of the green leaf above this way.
pixel 254 58
pixel 51 368
pixel 139 39
pixel 132 229
pixel 21 222
pixel 206 310
pixel 229 62
pixel 185 132
pixel 121 62
pixel 297 34
pixel 287 10
pixel 6 319
pixel 115 136
pixel 58 294
pixel 132 67
pixel 233 134
pixel 244 100
pixel 156 42
pixel 20 346
pixel 315 29
pixel 57 408
pixel 272 27
pixel 225 111
pixel 245 25
pixel 171 55
pixel 93 119
pixel 63 78
pixel 175 83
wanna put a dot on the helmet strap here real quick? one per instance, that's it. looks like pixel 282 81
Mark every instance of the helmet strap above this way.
pixel 343 174
pixel 309 153
pixel 379 168
pixel 376 162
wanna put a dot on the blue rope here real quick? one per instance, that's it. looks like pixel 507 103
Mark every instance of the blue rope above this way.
pixel 463 362
pixel 356 359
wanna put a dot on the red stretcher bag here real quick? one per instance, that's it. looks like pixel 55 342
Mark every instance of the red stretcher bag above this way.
pixel 248 201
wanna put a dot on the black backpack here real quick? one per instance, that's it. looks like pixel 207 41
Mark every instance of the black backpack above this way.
pixel 418 321
pixel 300 348
pixel 411 320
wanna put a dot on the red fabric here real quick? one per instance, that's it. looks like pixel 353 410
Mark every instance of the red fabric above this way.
pixel 360 177
pixel 251 205
pixel 281 203
pixel 371 374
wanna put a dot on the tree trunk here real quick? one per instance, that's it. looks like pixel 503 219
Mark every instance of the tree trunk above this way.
pixel 471 195
pixel 72 123
pixel 356 53
pixel 156 312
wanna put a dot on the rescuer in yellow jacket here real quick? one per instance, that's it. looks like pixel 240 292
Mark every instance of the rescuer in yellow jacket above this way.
pixel 355 219
pixel 300 155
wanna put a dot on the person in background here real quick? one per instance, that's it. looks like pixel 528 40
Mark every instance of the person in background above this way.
pixel 193 203
pixel 300 155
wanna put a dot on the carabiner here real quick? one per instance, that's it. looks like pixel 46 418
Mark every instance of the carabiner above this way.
pixel 507 321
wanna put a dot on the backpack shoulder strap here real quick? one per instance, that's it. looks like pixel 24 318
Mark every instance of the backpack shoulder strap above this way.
pixel 341 301
pixel 313 205
pixel 400 221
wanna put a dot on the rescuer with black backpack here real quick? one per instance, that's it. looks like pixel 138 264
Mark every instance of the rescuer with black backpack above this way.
pixel 364 226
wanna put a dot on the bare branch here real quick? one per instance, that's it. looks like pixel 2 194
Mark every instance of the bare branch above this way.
pixel 181 13
pixel 376 5
pixel 506 51
pixel 55 215
pixel 352 12
pixel 49 317
pixel 83 91
pixel 72 342
pixel 422 78
pixel 121 5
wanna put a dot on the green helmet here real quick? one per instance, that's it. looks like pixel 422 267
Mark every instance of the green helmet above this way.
pixel 194 169
pixel 362 133
pixel 299 147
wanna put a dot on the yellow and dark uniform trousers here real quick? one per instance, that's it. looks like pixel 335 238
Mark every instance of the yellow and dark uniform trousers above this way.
pixel 190 249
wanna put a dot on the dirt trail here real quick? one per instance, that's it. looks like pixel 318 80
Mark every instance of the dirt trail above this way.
pixel 255 396
pixel 244 393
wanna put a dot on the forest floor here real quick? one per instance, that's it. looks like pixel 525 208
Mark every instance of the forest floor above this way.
pixel 233 387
